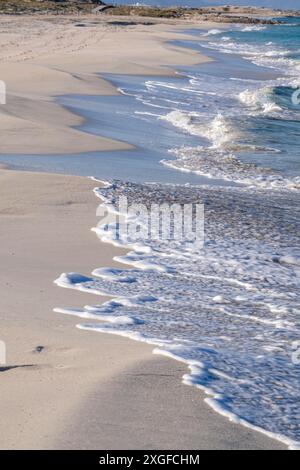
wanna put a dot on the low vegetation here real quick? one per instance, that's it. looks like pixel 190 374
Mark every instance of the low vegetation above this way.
pixel 44 6
pixel 228 14
pixel 206 14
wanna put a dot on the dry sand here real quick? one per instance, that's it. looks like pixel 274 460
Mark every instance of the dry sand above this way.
pixel 41 59
pixel 82 390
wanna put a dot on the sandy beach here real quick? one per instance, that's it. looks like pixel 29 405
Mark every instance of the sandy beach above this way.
pixel 63 388
pixel 58 58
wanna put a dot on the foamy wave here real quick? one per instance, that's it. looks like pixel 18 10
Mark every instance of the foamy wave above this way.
pixel 213 32
pixel 265 56
pixel 249 50
pixel 218 160
pixel 218 164
pixel 261 100
pixel 283 64
pixel 197 374
pixel 240 359
pixel 248 29
pixel 219 131
pixel 182 120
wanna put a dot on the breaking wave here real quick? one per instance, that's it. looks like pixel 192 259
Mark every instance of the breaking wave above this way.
pixel 230 310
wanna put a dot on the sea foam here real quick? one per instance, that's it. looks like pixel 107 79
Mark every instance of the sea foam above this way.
pixel 230 311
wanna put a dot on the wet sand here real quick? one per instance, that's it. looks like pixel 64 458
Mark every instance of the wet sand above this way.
pixel 64 388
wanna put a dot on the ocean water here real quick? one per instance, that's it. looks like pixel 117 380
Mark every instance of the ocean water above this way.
pixel 230 310
pixel 292 4
pixel 232 120
pixel 252 116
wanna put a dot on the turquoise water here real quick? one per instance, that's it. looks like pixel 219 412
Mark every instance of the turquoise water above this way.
pixel 230 311
pixel 273 118
pixel 292 4
pixel 231 121
pixel 231 113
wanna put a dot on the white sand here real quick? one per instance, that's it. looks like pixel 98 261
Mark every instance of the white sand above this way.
pixel 41 59
pixel 83 390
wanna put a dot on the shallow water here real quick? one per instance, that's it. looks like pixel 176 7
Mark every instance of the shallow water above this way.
pixel 113 117
pixel 230 309
pixel 292 4
pixel 207 122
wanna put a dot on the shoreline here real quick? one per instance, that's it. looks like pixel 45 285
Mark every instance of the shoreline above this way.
pixel 43 200
pixel 72 373
pixel 35 118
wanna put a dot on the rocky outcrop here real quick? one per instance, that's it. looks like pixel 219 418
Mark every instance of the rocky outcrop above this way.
pixel 224 14
pixel 15 7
